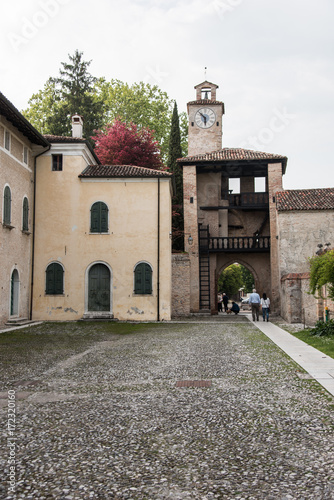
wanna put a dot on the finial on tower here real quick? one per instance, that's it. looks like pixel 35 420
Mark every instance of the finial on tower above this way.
pixel 205 72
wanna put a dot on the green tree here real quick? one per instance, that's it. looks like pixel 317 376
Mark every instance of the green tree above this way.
pixel 175 152
pixel 322 273
pixel 141 103
pixel 230 281
pixel 247 280
pixel 73 92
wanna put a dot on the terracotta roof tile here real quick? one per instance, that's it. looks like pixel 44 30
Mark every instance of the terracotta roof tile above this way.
pixel 108 171
pixel 232 154
pixel 205 102
pixel 305 199
pixel 62 138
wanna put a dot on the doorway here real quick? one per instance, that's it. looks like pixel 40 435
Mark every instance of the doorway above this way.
pixel 14 293
pixel 99 288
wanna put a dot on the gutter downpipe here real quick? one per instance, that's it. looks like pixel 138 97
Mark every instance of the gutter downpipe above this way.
pixel 158 271
pixel 33 232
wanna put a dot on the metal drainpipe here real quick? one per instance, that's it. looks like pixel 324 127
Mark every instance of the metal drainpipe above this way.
pixel 33 233
pixel 158 271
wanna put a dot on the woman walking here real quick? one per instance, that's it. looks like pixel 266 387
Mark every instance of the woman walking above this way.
pixel 265 303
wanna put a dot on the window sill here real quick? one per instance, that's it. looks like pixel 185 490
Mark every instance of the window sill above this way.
pixel 26 232
pixel 8 226
pixel 98 233
pixel 54 294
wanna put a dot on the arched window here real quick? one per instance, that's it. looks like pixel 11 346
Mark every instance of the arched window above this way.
pixel 54 279
pixel 99 218
pixel 143 279
pixel 25 215
pixel 7 201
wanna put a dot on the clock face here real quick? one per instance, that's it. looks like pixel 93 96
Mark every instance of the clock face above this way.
pixel 205 118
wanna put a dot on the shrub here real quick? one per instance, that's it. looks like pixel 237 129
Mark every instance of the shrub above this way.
pixel 322 329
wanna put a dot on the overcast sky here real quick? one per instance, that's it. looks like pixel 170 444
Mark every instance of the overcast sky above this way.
pixel 272 59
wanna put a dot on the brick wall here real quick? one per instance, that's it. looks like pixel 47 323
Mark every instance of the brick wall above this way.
pixel 180 285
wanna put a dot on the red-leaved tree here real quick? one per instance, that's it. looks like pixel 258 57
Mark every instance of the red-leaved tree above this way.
pixel 123 144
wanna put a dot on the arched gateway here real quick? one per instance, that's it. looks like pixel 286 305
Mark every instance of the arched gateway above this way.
pixel 226 217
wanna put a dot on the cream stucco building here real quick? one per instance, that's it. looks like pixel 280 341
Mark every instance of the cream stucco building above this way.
pixel 98 239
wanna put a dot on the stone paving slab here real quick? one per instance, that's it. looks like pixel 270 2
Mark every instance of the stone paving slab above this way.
pixel 109 422
pixel 316 363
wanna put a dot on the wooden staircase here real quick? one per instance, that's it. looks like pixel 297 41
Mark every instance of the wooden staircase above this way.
pixel 204 269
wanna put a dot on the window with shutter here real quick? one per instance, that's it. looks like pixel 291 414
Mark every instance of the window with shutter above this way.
pixel 7 206
pixel 143 279
pixel 25 217
pixel 54 279
pixel 99 218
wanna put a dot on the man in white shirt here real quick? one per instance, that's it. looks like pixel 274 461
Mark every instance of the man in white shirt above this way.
pixel 254 300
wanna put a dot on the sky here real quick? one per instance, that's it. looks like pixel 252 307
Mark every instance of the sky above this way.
pixel 272 60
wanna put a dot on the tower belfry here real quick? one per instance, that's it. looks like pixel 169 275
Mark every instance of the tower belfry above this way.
pixel 205 120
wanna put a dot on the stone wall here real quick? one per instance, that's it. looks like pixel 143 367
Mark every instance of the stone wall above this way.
pixel 180 285
pixel 298 305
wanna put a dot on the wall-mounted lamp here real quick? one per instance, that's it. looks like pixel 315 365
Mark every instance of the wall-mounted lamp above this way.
pixel 190 240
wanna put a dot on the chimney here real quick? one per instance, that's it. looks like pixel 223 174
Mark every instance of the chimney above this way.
pixel 77 124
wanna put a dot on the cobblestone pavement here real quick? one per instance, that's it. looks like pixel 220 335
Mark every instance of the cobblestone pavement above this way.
pixel 108 422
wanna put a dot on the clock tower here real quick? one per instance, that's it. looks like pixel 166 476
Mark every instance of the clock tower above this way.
pixel 205 120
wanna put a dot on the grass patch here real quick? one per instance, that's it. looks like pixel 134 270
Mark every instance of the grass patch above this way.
pixel 323 344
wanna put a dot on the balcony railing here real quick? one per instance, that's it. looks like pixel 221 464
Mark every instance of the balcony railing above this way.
pixel 235 244
pixel 246 200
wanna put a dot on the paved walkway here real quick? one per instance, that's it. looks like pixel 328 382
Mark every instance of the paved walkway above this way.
pixel 316 363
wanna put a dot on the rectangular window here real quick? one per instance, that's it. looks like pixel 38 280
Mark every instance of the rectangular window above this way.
pixel 57 163
pixel 7 140
pixel 25 155
pixel 260 184
pixel 234 185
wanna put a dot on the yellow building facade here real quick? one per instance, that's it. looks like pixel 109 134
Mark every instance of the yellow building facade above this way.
pixel 102 245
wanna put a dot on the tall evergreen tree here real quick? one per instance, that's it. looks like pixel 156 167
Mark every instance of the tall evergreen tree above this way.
pixel 175 152
pixel 72 92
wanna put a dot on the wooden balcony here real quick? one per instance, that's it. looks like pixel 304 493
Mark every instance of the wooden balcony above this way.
pixel 237 244
pixel 257 201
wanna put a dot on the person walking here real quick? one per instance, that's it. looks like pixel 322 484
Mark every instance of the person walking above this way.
pixel 265 303
pixel 254 300
pixel 225 301
pixel 220 302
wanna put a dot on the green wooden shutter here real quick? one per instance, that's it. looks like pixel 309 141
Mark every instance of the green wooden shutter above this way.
pixel 99 218
pixel 58 279
pixel 25 218
pixel 7 206
pixel 143 279
pixel 148 279
pixel 54 279
pixel 104 217
pixel 94 218
pixel 138 279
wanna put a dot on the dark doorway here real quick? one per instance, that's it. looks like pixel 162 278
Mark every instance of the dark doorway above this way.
pixel 99 288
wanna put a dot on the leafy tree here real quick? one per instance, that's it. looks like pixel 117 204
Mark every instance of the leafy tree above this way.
pixel 175 152
pixel 73 92
pixel 248 279
pixel 100 102
pixel 230 281
pixel 322 273
pixel 141 103
pixel 125 144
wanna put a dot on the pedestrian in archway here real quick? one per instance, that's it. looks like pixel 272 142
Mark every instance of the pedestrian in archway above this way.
pixel 220 302
pixel 234 309
pixel 265 303
pixel 225 301
pixel 254 300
